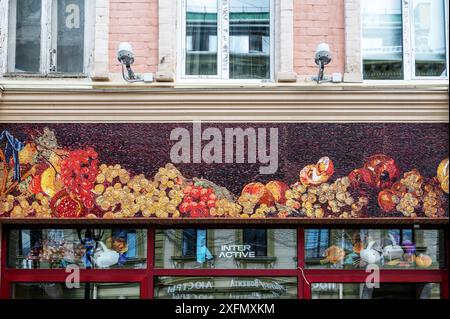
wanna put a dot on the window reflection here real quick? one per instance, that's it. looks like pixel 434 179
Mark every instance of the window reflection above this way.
pixel 429 37
pixel 87 248
pixel 226 248
pixel 355 249
pixel 27 35
pixel 225 288
pixel 385 291
pixel 201 37
pixel 70 41
pixel 250 39
pixel 85 291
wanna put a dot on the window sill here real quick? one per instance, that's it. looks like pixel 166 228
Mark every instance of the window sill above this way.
pixel 20 75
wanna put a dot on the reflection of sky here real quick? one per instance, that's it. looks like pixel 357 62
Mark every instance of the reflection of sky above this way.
pixel 235 5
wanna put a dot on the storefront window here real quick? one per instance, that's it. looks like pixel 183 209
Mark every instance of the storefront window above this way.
pixel 85 291
pixel 385 291
pixel 225 288
pixel 92 248
pixel 391 249
pixel 228 39
pixel 226 248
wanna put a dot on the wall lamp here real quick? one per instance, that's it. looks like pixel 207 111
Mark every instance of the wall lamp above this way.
pixel 126 58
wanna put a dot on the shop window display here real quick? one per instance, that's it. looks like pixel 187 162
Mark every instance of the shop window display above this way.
pixel 86 248
pixel 225 288
pixel 226 249
pixel 390 249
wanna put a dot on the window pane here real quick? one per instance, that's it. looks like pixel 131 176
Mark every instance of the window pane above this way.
pixel 226 249
pixel 429 37
pixel 28 35
pixel 225 288
pixel 386 291
pixel 201 37
pixel 391 249
pixel 382 43
pixel 58 248
pixel 86 291
pixel 70 42
pixel 250 39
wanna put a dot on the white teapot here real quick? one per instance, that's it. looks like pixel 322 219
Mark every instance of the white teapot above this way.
pixel 393 251
pixel 105 257
pixel 370 255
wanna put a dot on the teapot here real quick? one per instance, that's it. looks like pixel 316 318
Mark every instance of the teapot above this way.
pixel 370 255
pixel 105 257
pixel 393 251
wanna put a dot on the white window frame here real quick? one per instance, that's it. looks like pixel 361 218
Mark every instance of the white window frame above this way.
pixel 223 45
pixel 48 40
pixel 408 45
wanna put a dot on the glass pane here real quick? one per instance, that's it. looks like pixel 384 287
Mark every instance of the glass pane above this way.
pixel 250 39
pixel 392 249
pixel 86 291
pixel 58 248
pixel 382 42
pixel 70 42
pixel 226 249
pixel 385 291
pixel 201 37
pixel 429 37
pixel 28 35
pixel 225 288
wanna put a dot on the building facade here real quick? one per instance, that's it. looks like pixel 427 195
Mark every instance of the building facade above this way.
pixel 282 185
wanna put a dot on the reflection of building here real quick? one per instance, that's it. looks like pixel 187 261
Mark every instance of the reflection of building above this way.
pixel 249 43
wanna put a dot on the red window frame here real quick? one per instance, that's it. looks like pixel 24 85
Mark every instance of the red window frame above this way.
pixel 145 277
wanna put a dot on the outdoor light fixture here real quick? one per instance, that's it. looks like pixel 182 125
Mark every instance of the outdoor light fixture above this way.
pixel 322 58
pixel 126 58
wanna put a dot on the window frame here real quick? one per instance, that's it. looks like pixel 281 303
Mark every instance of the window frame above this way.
pixel 408 49
pixel 223 54
pixel 147 276
pixel 48 40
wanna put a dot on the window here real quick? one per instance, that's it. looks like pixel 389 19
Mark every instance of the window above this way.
pixel 387 248
pixel 86 248
pixel 49 36
pixel 85 291
pixel 223 263
pixel 385 291
pixel 256 239
pixel 189 242
pixel 404 39
pixel 228 39
pixel 226 288
pixel 226 248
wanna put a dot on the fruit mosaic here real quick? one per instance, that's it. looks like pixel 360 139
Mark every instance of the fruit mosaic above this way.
pixel 41 179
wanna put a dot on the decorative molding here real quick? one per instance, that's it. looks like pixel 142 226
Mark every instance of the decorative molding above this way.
pixel 221 104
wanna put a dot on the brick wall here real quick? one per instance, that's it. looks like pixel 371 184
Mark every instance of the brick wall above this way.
pixel 134 21
pixel 317 21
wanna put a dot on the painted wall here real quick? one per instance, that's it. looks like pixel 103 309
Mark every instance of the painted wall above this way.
pixel 134 21
pixel 317 21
